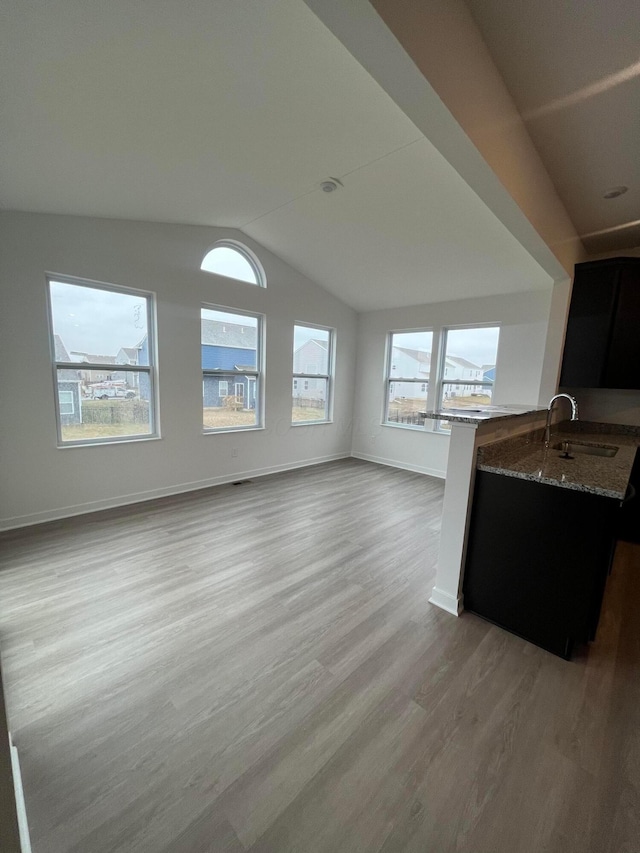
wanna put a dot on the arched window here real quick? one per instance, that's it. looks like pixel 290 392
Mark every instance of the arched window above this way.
pixel 234 260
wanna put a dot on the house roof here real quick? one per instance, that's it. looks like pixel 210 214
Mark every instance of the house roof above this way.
pixel 94 359
pixel 463 362
pixel 221 333
pixel 418 354
pixel 130 352
pixel 61 354
pixel 324 345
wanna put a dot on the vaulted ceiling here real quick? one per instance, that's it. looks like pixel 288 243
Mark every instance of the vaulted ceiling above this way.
pixel 231 114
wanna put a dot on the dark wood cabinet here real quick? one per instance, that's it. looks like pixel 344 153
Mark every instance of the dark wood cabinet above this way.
pixel 602 344
pixel 537 560
pixel 629 524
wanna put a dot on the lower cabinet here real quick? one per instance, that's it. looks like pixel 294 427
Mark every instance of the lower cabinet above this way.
pixel 629 527
pixel 538 557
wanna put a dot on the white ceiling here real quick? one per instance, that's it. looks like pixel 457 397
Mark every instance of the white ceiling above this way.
pixel 573 70
pixel 231 113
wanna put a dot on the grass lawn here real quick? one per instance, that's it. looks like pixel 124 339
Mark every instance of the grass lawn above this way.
pixel 299 413
pixel 471 402
pixel 216 418
pixel 75 432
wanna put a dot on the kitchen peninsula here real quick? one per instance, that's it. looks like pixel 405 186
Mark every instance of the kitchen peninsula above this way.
pixel 470 429
pixel 527 540
pixel 543 530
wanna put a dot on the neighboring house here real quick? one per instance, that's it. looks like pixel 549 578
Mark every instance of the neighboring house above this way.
pixel 489 372
pixel 69 397
pixel 144 383
pixel 311 357
pixel 460 368
pixel 129 355
pixel 88 377
pixel 228 346
pixel 409 363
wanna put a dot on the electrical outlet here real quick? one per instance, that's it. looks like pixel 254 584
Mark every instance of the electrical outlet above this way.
pixel 234 453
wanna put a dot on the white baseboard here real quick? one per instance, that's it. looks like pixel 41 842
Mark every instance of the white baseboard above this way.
pixel 23 826
pixel 394 463
pixel 446 601
pixel 168 491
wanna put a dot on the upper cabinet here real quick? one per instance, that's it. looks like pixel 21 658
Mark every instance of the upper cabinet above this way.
pixel 602 344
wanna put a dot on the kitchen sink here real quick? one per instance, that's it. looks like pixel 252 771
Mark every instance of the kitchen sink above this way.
pixel 576 447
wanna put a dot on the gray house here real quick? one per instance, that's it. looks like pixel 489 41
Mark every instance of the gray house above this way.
pixel 69 397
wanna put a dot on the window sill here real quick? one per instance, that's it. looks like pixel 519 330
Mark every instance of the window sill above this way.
pixel 135 439
pixel 417 428
pixel 413 427
pixel 223 430
pixel 309 423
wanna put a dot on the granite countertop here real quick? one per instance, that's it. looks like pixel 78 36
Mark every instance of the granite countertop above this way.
pixel 527 458
pixel 481 414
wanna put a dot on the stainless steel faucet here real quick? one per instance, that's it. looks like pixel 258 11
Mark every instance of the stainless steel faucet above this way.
pixel 574 414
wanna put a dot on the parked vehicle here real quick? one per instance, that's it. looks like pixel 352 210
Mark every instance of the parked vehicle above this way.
pixel 111 391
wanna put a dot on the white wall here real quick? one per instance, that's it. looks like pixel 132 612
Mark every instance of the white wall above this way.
pixel 524 320
pixel 38 481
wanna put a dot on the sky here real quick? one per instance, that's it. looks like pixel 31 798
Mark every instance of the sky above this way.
pixel 96 321
pixel 102 321
pixel 476 345
pixel 229 262
pixel 302 334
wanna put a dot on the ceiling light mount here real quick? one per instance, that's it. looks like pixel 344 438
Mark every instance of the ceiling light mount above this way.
pixel 330 184
pixel 614 192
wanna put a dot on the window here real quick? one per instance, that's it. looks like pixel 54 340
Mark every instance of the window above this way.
pixel 231 345
pixel 407 379
pixel 65 400
pixel 233 260
pixel 313 364
pixel 93 325
pixel 469 359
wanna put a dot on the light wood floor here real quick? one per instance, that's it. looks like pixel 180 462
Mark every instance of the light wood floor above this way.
pixel 256 667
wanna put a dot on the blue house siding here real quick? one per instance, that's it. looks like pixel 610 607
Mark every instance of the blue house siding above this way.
pixel 215 357
pixel 489 375
pixel 213 397
pixel 226 358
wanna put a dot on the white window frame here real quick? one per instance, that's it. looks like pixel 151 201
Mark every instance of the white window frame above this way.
pixel 257 374
pixel 70 401
pixel 389 379
pixel 442 369
pixel 149 370
pixel 328 377
pixel 222 382
pixel 247 254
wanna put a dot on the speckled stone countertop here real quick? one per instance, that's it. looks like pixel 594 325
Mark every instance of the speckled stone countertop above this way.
pixel 526 457
pixel 481 414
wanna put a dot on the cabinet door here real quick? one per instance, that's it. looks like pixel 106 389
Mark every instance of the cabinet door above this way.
pixel 589 327
pixel 623 363
pixel 537 559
